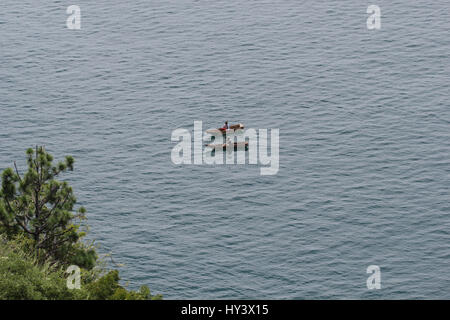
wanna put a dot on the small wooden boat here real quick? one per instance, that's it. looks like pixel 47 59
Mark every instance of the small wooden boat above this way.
pixel 231 129
pixel 225 146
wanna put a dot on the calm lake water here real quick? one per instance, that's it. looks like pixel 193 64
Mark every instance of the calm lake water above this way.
pixel 364 121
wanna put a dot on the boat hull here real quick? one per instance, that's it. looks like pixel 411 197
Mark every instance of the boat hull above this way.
pixel 232 129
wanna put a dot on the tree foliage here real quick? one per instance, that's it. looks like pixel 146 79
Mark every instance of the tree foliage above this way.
pixel 40 236
pixel 42 208
pixel 22 277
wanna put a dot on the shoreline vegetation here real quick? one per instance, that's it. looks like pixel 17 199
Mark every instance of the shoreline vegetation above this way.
pixel 41 236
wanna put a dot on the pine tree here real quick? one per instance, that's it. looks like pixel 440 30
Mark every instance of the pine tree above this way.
pixel 40 207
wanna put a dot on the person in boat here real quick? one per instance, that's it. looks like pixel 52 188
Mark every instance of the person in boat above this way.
pixel 225 126
pixel 229 143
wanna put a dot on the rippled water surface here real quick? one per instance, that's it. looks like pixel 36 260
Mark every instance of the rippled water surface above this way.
pixel 364 132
